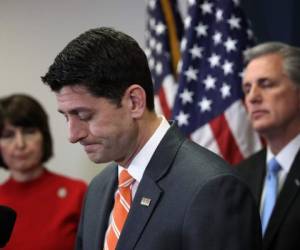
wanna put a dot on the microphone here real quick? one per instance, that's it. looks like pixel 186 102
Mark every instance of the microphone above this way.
pixel 7 222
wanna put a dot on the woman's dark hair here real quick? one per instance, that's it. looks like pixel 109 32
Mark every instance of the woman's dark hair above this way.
pixel 24 111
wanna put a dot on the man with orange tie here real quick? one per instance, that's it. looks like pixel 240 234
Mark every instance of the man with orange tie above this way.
pixel 271 84
pixel 162 191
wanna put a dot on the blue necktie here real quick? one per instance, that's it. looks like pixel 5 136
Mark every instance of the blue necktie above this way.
pixel 271 192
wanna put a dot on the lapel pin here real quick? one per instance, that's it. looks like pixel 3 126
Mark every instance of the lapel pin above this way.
pixel 145 201
pixel 297 182
pixel 62 192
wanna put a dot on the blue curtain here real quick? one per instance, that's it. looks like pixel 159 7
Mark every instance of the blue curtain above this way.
pixel 275 20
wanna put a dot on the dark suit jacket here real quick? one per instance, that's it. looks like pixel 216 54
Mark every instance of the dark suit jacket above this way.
pixel 197 203
pixel 283 230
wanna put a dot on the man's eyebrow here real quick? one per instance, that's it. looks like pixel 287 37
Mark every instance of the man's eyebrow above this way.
pixel 74 111
pixel 263 79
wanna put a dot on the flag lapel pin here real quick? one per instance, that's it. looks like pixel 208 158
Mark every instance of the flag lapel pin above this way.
pixel 145 202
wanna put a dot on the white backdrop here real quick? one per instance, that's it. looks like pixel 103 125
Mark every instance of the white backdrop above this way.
pixel 32 32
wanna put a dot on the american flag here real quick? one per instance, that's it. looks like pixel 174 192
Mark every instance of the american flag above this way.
pixel 163 34
pixel 209 103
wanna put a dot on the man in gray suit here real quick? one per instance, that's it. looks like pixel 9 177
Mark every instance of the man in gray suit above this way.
pixel 180 195
pixel 272 95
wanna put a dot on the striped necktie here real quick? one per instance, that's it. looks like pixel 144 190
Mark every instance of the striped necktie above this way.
pixel 271 192
pixel 120 210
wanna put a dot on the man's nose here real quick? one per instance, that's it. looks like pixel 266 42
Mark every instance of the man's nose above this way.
pixel 77 130
pixel 254 94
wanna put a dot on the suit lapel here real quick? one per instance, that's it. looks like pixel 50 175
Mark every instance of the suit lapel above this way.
pixel 285 200
pixel 104 201
pixel 157 168
pixel 259 169
pixel 254 173
pixel 139 214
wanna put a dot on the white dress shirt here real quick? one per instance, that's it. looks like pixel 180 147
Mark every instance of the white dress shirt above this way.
pixel 139 163
pixel 285 158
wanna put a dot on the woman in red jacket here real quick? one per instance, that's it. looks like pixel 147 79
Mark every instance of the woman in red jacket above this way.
pixel 47 204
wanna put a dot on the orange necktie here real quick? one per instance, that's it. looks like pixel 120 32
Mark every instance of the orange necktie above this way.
pixel 120 210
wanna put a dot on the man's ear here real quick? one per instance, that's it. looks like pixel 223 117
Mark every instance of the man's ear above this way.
pixel 136 97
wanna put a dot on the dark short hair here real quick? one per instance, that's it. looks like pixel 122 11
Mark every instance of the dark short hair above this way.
pixel 24 111
pixel 106 62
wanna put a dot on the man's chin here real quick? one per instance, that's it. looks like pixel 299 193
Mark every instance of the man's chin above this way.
pixel 262 129
pixel 97 159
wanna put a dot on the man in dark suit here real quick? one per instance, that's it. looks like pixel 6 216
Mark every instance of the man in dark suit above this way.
pixel 173 194
pixel 271 83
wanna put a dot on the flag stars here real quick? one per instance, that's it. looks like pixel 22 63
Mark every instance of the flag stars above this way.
pixel 152 4
pixel 192 2
pixel 152 23
pixel 183 44
pixel 214 60
pixel 234 22
pixel 160 28
pixel 196 51
pixel 205 104
pixel 179 66
pixel 230 44
pixel 225 90
pixel 219 15
pixel 186 96
pixel 187 22
pixel 152 43
pixel 201 29
pixel 208 71
pixel 191 74
pixel 217 38
pixel 206 7
pixel 182 119
pixel 227 67
pixel 158 68
pixel 241 74
pixel 158 48
pixel 151 63
pixel 209 82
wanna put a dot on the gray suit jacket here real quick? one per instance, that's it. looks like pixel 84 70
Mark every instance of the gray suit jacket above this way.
pixel 283 230
pixel 197 202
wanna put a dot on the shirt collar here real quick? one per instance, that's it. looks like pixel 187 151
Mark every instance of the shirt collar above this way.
pixel 287 155
pixel 139 163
